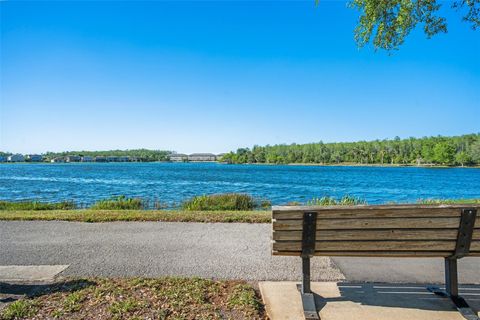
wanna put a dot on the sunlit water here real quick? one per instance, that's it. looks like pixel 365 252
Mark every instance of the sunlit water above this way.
pixel 171 183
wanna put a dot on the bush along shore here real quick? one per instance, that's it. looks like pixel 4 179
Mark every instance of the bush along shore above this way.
pixel 206 208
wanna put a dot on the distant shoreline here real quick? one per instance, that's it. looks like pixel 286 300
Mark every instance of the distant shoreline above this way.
pixel 342 164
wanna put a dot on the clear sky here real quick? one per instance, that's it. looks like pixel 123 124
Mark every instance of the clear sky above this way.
pixel 215 76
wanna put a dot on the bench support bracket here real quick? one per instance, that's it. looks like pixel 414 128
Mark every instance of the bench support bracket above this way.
pixel 451 290
pixel 308 250
pixel 464 238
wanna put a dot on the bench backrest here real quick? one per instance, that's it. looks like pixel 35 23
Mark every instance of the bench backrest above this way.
pixel 386 230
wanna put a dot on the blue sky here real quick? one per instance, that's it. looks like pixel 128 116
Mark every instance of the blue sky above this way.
pixel 215 76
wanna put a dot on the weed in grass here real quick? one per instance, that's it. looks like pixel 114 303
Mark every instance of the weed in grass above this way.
pixel 119 203
pixel 244 296
pixel 226 201
pixel 73 301
pixel 121 308
pixel 331 201
pixel 18 310
pixel 57 313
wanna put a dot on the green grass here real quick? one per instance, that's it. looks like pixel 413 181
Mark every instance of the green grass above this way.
pixel 246 216
pixel 19 309
pixel 331 201
pixel 118 203
pixel 35 205
pixel 89 215
pixel 225 201
pixel 140 298
pixel 449 201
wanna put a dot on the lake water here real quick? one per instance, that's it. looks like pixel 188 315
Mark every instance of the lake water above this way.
pixel 171 183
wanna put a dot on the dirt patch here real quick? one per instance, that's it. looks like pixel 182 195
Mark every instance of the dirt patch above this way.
pixel 136 298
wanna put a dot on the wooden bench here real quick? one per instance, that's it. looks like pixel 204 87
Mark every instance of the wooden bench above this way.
pixel 447 231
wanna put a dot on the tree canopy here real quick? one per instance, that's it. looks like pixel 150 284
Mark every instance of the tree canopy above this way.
pixel 460 150
pixel 386 23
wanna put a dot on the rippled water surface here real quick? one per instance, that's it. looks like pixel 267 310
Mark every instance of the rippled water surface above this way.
pixel 85 183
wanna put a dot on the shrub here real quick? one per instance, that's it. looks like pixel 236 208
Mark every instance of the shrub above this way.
pixel 226 201
pixel 118 203
pixel 449 201
pixel 35 205
pixel 331 201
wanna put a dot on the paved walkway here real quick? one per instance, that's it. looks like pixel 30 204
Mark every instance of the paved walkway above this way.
pixel 220 250
pixel 365 301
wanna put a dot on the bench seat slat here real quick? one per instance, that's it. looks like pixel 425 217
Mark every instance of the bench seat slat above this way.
pixel 376 234
pixel 377 223
pixel 439 254
pixel 374 245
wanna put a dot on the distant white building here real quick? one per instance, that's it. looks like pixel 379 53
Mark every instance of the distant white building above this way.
pixel 34 158
pixel 87 159
pixel 16 158
pixel 202 157
pixel 73 158
pixel 178 157
pixel 57 160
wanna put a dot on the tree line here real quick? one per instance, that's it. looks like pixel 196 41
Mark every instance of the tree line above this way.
pixel 448 151
pixel 139 154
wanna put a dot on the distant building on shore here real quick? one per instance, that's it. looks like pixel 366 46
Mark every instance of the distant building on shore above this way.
pixel 57 160
pixel 3 159
pixel 16 158
pixel 123 159
pixel 178 157
pixel 87 159
pixel 100 159
pixel 73 158
pixel 202 157
pixel 34 158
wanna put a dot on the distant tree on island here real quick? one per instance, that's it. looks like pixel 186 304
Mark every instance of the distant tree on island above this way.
pixel 460 150
pixel 387 23
pixel 139 154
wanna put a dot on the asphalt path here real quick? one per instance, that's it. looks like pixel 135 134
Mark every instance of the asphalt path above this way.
pixel 213 250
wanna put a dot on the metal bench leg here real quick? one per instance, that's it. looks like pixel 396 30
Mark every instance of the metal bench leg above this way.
pixel 308 300
pixel 451 290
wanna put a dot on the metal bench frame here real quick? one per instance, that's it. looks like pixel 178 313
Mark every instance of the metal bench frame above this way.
pixel 462 249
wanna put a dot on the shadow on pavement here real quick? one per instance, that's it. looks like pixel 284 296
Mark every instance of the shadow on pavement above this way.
pixel 412 296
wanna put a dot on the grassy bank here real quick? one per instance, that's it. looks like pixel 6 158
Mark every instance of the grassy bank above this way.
pixel 139 298
pixel 138 215
pixel 199 209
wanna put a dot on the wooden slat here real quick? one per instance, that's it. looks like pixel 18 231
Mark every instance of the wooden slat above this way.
pixel 391 254
pixel 373 245
pixel 378 223
pixel 376 234
pixel 360 213
pixel 364 211
pixel 376 254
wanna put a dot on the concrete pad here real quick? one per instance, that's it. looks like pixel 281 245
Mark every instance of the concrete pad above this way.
pixel 30 273
pixel 364 301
